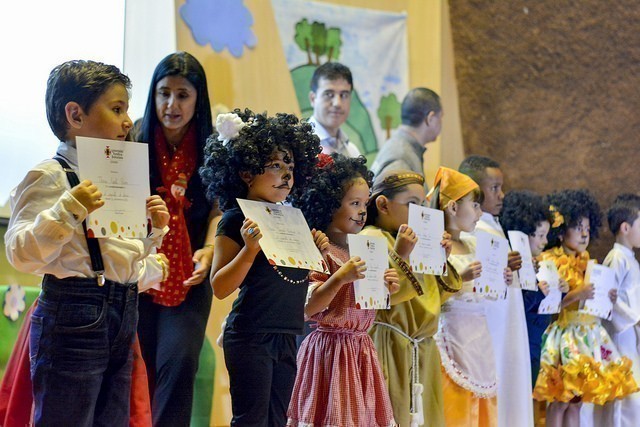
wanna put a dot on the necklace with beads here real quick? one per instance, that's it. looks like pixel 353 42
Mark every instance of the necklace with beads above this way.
pixel 288 280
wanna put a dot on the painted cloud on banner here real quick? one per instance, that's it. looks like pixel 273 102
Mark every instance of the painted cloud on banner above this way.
pixel 221 23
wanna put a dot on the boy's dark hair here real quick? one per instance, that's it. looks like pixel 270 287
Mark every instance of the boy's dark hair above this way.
pixel 417 105
pixel 181 64
pixel 572 205
pixel 322 196
pixel 78 81
pixel 475 167
pixel 252 149
pixel 625 208
pixel 524 211
pixel 331 71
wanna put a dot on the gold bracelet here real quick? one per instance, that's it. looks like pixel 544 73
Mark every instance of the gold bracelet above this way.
pixel 406 269
pixel 453 274
pixel 165 273
pixel 208 245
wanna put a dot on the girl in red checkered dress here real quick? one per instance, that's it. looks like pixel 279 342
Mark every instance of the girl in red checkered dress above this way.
pixel 339 380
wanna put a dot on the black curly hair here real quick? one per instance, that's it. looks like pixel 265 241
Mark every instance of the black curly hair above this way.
pixel 476 166
pixel 322 196
pixel 252 150
pixel 573 205
pixel 625 208
pixel 524 210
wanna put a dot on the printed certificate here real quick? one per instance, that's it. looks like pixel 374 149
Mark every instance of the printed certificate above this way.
pixel 547 272
pixel 428 256
pixel 492 252
pixel 371 291
pixel 603 279
pixel 527 273
pixel 120 170
pixel 552 303
pixel 286 238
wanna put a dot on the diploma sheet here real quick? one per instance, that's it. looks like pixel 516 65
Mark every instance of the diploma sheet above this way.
pixel 428 256
pixel 120 170
pixel 371 292
pixel 286 238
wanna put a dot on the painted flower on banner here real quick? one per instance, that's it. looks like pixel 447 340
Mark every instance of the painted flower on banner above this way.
pixel 14 302
pixel 223 23
pixel 228 126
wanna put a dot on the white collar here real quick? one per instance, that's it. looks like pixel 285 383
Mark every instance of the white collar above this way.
pixel 69 153
pixel 625 250
pixel 323 133
pixel 491 221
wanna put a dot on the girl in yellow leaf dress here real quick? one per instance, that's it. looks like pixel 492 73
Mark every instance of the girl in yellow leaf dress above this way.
pixel 579 362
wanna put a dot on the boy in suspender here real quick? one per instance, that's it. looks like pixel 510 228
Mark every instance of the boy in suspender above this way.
pixel 85 321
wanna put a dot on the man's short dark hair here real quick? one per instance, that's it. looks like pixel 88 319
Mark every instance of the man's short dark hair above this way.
pixel 475 167
pixel 331 71
pixel 417 105
pixel 78 81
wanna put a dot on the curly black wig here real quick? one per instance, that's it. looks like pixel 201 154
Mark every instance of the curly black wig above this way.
pixel 524 210
pixel 322 196
pixel 252 149
pixel 572 205
pixel 625 208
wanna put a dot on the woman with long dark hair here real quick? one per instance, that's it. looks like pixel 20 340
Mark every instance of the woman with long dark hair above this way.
pixel 173 318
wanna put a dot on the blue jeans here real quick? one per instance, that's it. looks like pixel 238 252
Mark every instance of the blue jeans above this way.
pixel 80 351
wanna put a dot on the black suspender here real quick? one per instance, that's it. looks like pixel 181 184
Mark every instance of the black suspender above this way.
pixel 94 247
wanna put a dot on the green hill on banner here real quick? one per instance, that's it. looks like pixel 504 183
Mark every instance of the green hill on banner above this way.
pixel 358 126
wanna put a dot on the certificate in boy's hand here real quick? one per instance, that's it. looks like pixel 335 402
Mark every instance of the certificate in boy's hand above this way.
pixel 286 238
pixel 428 256
pixel 492 252
pixel 371 292
pixel 120 170
pixel 603 279
pixel 527 274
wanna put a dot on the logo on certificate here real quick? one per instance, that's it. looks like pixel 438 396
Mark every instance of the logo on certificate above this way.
pixel 371 246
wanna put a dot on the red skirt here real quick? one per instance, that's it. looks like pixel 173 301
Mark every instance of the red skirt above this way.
pixel 16 399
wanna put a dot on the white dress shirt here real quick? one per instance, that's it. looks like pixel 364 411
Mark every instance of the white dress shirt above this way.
pixel 339 144
pixel 625 331
pixel 45 234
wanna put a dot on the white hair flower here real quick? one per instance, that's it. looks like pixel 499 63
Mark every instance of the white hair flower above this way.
pixel 14 302
pixel 228 126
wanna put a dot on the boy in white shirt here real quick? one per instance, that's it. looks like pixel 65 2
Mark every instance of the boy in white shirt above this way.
pixel 506 317
pixel 84 325
pixel 624 223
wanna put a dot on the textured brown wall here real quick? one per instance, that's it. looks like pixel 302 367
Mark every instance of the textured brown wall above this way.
pixel 550 89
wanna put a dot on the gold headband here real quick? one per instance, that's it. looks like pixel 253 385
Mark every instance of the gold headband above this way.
pixel 389 180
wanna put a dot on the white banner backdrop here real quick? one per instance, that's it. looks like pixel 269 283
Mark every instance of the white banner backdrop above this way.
pixel 373 44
